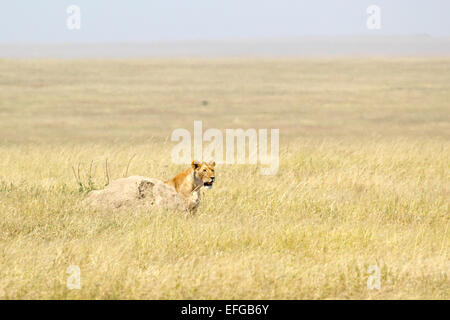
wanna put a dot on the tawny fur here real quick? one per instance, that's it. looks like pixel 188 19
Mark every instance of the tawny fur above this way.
pixel 188 183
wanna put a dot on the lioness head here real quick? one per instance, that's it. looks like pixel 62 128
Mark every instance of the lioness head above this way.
pixel 204 173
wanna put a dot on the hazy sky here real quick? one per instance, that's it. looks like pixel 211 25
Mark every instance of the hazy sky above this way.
pixel 44 21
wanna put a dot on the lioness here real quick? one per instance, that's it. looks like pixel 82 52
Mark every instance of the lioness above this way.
pixel 189 182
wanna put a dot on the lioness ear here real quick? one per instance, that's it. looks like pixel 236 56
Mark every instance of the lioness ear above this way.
pixel 195 164
pixel 212 164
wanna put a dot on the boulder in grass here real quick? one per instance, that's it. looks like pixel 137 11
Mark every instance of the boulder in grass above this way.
pixel 133 192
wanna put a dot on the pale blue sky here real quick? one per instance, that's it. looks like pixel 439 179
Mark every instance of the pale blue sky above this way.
pixel 44 21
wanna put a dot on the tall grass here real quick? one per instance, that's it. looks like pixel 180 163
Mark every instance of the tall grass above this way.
pixel 363 179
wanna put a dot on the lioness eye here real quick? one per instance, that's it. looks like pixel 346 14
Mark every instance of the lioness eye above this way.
pixel 204 170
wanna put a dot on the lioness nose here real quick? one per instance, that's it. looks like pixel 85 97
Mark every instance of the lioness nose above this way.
pixel 213 178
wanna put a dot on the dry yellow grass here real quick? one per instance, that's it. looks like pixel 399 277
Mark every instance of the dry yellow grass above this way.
pixel 363 179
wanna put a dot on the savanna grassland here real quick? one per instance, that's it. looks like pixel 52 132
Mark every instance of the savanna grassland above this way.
pixel 363 179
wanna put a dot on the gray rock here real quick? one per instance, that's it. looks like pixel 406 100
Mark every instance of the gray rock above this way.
pixel 133 192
